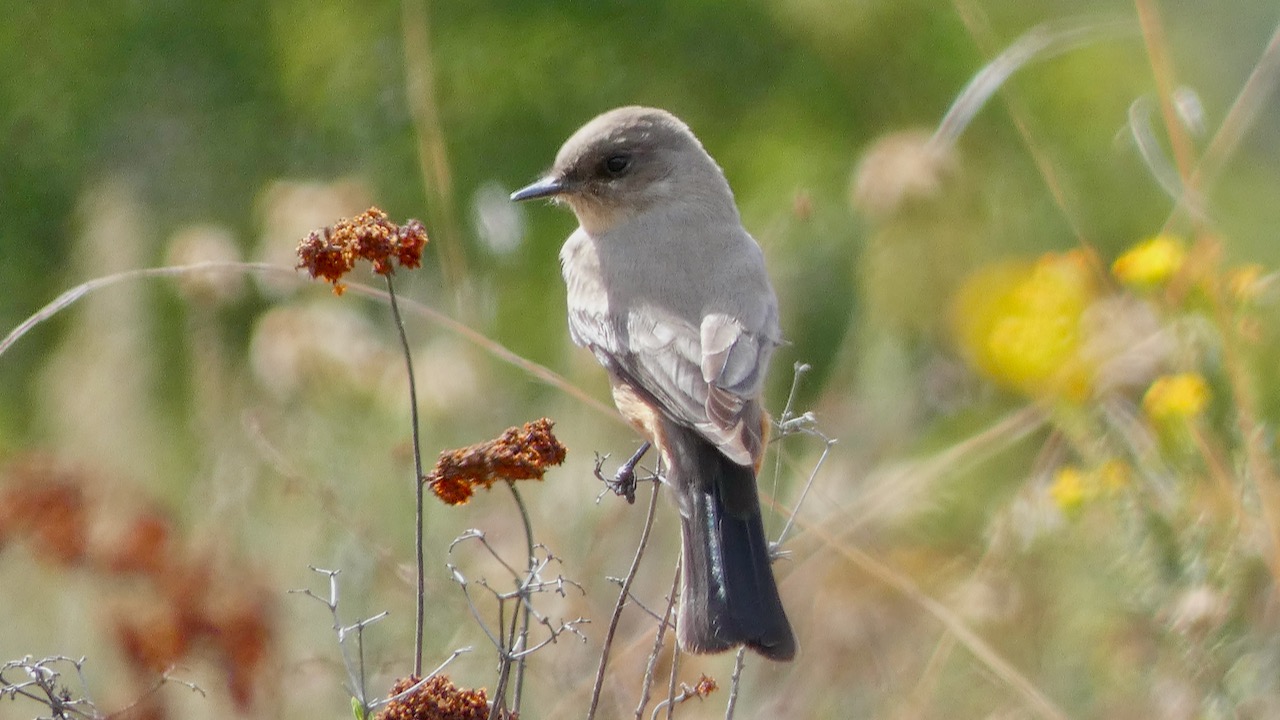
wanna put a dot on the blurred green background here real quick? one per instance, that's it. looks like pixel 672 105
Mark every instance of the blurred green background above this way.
pixel 269 416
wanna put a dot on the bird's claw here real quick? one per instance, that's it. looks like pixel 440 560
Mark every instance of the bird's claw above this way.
pixel 624 481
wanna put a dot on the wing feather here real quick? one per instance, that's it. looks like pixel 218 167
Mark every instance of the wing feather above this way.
pixel 701 356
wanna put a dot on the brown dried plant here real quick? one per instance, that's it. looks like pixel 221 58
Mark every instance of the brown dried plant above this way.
pixel 332 251
pixel 522 453
pixel 183 604
pixel 437 699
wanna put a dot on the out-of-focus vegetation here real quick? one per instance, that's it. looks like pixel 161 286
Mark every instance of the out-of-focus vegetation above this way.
pixel 1054 386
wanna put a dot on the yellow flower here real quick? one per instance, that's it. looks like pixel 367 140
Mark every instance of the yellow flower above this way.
pixel 1151 262
pixel 1020 323
pixel 1073 487
pixel 1176 397
pixel 1069 490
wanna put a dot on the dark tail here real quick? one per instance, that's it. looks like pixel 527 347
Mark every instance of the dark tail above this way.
pixel 728 596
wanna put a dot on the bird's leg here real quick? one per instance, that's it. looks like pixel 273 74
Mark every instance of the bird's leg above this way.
pixel 625 478
pixel 623 481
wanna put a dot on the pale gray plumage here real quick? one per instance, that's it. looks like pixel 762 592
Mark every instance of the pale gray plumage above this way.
pixel 671 294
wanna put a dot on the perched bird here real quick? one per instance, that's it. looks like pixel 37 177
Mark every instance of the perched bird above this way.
pixel 671 294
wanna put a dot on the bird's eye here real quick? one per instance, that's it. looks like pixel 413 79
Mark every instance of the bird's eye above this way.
pixel 618 164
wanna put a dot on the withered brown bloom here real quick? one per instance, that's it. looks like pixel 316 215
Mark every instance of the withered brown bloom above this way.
pixel 52 513
pixel 331 252
pixel 706 685
pixel 437 699
pixel 522 453
pixel 174 603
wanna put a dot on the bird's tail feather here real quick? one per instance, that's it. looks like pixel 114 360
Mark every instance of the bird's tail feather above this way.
pixel 728 595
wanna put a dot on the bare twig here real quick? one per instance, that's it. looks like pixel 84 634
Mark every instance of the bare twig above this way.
pixel 515 609
pixel 659 639
pixel 524 597
pixel 671 701
pixel 165 678
pixel 44 686
pixel 622 601
pixel 738 663
pixel 788 424
pixel 416 686
pixel 354 668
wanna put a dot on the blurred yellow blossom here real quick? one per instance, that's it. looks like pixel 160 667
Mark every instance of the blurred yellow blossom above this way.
pixel 1151 262
pixel 1176 397
pixel 1020 323
pixel 1073 487
pixel 1068 489
pixel 1244 282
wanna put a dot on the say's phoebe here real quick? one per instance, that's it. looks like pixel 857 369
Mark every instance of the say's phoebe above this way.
pixel 670 293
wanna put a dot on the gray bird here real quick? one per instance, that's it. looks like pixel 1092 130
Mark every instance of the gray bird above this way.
pixel 670 293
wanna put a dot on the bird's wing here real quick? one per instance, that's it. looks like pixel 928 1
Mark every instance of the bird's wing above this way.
pixel 707 377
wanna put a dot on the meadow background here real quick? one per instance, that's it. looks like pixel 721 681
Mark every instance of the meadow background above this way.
pixel 1054 488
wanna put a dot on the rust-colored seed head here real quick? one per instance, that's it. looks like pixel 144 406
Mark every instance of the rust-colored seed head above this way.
pixel 331 252
pixel 522 453
pixel 437 699
pixel 706 685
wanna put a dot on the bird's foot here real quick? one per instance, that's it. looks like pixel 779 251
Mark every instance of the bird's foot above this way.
pixel 623 481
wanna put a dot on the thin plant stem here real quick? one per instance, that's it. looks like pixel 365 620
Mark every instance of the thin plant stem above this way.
pixel 499 352
pixel 420 608
pixel 69 297
pixel 491 347
pixel 524 595
pixel 504 672
pixel 1162 70
pixel 659 638
pixel 433 156
pixel 622 601
pixel 975 22
pixel 734 684
pixel 1240 118
pixel 671 683
pixel 1258 468
pixel 1000 667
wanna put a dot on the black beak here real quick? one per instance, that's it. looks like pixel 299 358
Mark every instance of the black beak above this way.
pixel 546 187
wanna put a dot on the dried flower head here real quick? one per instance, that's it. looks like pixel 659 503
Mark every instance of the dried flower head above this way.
pixel 332 251
pixel 437 699
pixel 706 685
pixel 522 453
pixel 45 503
